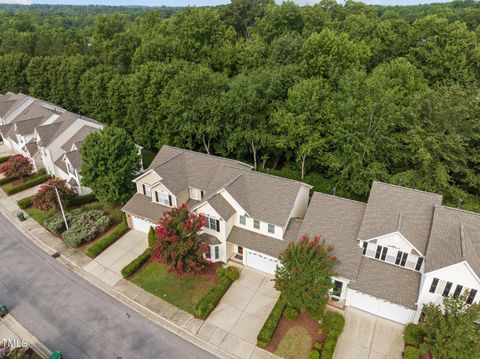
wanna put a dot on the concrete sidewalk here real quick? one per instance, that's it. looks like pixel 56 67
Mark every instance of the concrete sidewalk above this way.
pixel 152 307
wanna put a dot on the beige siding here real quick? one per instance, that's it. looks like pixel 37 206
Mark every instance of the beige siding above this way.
pixel 148 179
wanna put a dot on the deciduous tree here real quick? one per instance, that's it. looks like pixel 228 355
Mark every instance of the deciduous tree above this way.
pixel 17 166
pixel 46 197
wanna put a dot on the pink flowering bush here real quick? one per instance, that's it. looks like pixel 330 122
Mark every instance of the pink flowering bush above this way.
pixel 46 198
pixel 305 275
pixel 178 243
pixel 17 166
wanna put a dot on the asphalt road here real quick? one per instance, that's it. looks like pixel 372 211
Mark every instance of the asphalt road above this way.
pixel 69 314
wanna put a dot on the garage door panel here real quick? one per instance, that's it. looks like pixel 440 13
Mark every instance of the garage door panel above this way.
pixel 141 225
pixel 380 307
pixel 261 262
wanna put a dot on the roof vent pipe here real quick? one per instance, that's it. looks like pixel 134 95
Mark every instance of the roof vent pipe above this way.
pixel 459 203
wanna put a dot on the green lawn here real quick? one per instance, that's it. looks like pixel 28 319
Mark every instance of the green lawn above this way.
pixel 182 291
pixel 38 215
pixel 295 344
pixel 147 157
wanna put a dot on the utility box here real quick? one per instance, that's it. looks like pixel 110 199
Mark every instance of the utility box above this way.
pixel 3 310
pixel 56 355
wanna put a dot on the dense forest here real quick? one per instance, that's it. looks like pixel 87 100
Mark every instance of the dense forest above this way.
pixel 341 94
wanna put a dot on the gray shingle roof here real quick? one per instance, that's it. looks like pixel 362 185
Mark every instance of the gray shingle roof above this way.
pixel 61 164
pixel 142 206
pixel 386 281
pixel 5 106
pixel 79 136
pixel 27 127
pixel 222 207
pixel 75 159
pixel 48 133
pixel 209 239
pixel 393 208
pixel 4 129
pixel 11 101
pixel 32 148
pixel 454 238
pixel 35 110
pixel 337 220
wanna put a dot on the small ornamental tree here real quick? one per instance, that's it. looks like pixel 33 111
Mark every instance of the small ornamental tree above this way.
pixel 451 333
pixel 178 243
pixel 17 166
pixel 305 275
pixel 46 198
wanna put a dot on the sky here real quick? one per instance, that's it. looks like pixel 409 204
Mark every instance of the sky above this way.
pixel 194 2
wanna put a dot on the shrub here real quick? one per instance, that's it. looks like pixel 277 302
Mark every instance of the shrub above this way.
pixel 31 182
pixel 25 203
pixel 220 272
pixel 290 314
pixel 84 226
pixel 135 265
pixel 76 235
pixel 271 323
pixel 232 272
pixel 46 197
pixel 329 347
pixel 411 353
pixel 152 237
pixel 4 159
pixel 6 180
pixel 413 334
pixel 211 299
pixel 79 200
pixel 333 323
pixel 318 346
pixel 56 224
pixel 313 354
pixel 17 166
pixel 107 240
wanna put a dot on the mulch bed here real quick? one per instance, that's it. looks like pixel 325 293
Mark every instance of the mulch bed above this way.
pixel 304 321
pixel 209 271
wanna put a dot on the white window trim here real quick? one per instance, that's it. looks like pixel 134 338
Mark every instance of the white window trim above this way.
pixel 163 198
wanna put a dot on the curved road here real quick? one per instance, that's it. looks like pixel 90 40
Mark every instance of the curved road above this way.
pixel 69 314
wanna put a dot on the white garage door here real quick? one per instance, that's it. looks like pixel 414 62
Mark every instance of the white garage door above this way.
pixel 381 307
pixel 141 225
pixel 261 261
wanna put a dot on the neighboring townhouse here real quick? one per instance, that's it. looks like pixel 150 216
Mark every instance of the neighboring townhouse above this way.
pixel 11 105
pixel 251 217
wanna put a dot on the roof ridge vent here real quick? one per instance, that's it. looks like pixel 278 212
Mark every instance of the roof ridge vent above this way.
pixel 462 240
pixel 400 219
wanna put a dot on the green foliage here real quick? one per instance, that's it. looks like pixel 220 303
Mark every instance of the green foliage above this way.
pixel 333 324
pixel 306 289
pixel 4 159
pixel 84 226
pixel 6 180
pixel 290 313
pixel 313 354
pixel 32 181
pixel 56 224
pixel 211 299
pixel 220 272
pixel 152 237
pixel 411 353
pixel 266 333
pixel 451 332
pixel 135 265
pixel 80 200
pixel 110 162
pixel 232 272
pixel 47 195
pixel 107 240
pixel 413 334
pixel 25 203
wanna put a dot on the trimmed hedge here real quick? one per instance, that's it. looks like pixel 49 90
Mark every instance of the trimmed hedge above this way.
pixel 271 323
pixel 6 180
pixel 79 200
pixel 290 314
pixel 4 159
pixel 152 237
pixel 211 299
pixel 107 240
pixel 413 334
pixel 232 272
pixel 313 354
pixel 333 323
pixel 135 265
pixel 411 353
pixel 29 183
pixel 25 203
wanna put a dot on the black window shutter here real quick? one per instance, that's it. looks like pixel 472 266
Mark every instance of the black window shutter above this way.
pixel 170 200
pixel 144 190
pixel 399 258
pixel 201 194
pixel 156 196
pixel 365 244
pixel 218 225
pixel 419 263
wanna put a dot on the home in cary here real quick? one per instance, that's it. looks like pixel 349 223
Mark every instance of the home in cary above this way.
pixel 397 252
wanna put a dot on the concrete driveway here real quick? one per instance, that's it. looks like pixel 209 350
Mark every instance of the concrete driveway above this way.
pixel 366 336
pixel 108 265
pixel 242 312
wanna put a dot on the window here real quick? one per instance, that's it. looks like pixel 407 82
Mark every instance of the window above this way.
pixel 399 258
pixel 404 259
pixel 163 198
pixel 70 168
pixel 447 288
pixel 212 223
pixel 433 287
pixel 337 289
pixel 256 224
pixel 384 253
pixel 271 228
pixel 471 296
pixel 217 252
pixel 419 263
pixel 365 244
pixel 196 194
pixel 458 290
pixel 243 220
pixel 378 252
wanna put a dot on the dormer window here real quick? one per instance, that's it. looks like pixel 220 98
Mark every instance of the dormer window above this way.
pixel 163 198
pixel 392 255
pixel 243 220
pixel 271 228
pixel 196 194
pixel 146 190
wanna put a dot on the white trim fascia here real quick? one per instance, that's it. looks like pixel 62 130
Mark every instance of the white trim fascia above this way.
pixel 401 235
pixel 144 174
pixel 455 264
